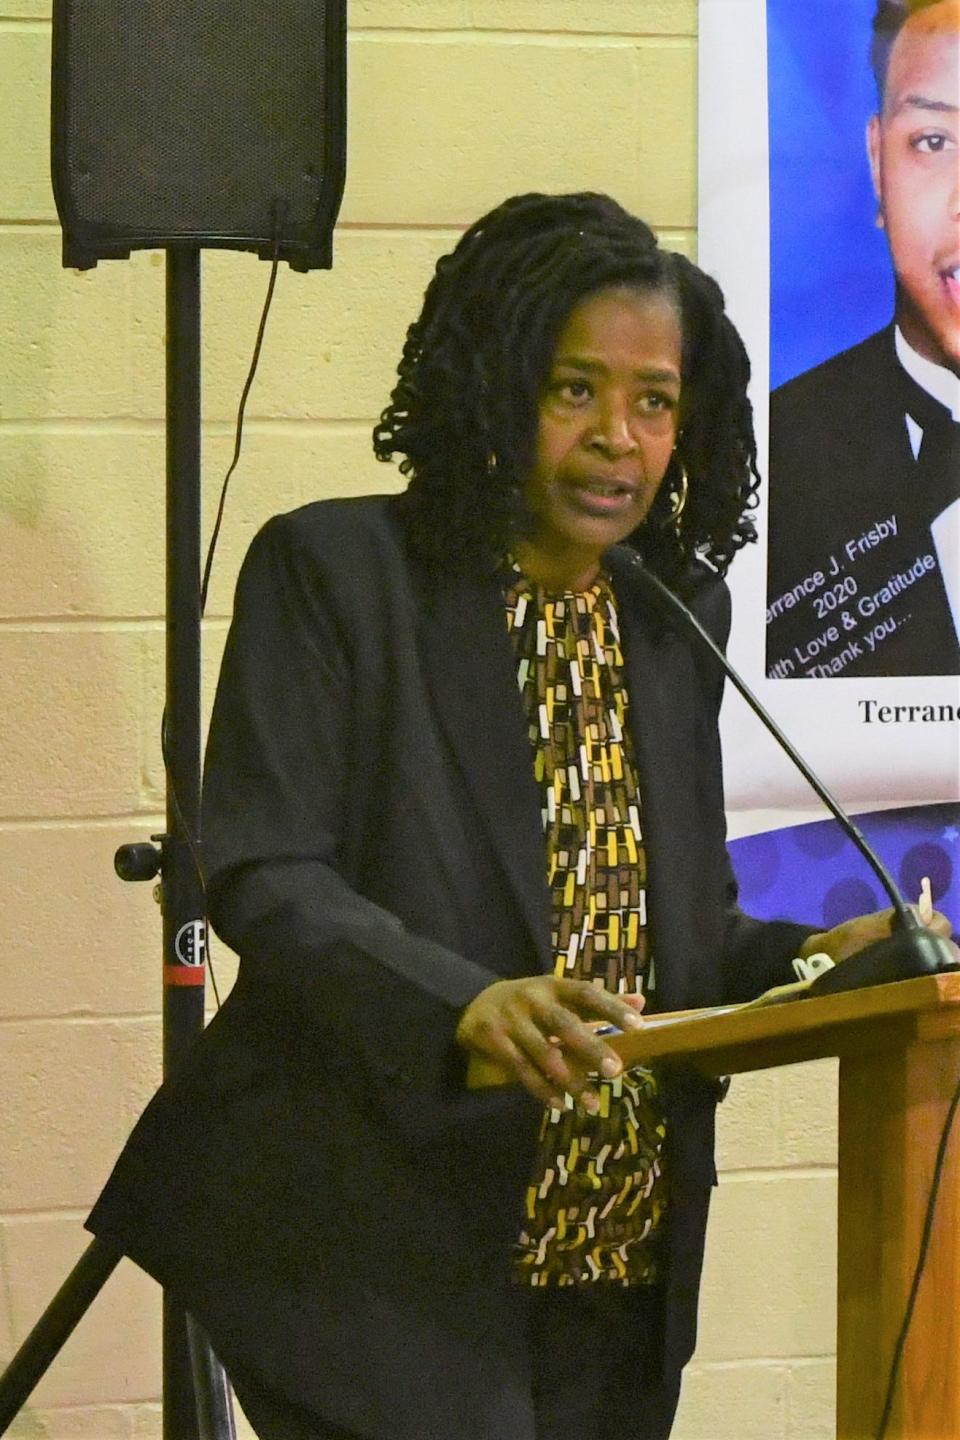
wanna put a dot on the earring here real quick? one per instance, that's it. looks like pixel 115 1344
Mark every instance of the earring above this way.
pixel 678 501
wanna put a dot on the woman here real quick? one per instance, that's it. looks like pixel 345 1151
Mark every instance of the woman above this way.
pixel 419 860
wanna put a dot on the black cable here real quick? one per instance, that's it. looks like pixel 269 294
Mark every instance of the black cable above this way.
pixel 921 1262
pixel 238 439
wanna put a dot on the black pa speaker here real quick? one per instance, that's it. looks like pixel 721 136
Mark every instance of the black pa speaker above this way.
pixel 199 123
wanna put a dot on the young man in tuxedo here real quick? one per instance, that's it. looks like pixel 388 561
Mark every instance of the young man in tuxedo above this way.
pixel 864 536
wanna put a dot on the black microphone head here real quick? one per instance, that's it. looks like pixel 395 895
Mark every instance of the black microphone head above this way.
pixel 903 955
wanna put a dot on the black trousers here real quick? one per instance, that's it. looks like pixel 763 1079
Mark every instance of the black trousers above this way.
pixel 586 1349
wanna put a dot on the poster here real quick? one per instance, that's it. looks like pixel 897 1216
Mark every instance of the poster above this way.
pixel 847 610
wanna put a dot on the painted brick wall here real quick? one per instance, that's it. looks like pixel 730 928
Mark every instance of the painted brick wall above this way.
pixel 453 105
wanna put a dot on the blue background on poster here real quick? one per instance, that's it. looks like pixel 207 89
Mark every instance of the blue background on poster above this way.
pixel 831 284
pixel 813 873
pixel 830 278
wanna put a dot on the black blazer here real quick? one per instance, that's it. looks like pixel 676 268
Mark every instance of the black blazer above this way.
pixel 316 1183
pixel 840 464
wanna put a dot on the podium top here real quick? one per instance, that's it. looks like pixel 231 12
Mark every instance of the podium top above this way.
pixel 731 1039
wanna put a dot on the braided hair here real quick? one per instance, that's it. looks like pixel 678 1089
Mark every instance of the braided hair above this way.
pixel 463 414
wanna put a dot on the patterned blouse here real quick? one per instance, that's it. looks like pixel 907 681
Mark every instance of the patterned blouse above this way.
pixel 597 1195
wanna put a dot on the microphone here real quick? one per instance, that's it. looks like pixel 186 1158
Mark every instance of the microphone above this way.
pixel 911 949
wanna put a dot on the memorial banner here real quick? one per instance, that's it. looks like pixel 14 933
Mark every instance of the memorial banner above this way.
pixel 828 212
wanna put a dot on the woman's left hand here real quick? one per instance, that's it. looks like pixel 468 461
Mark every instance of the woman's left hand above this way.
pixel 852 935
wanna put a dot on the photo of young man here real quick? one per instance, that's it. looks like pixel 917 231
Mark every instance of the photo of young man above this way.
pixel 864 466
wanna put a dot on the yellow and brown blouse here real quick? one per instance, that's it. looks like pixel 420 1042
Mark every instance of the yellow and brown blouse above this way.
pixel 597 1195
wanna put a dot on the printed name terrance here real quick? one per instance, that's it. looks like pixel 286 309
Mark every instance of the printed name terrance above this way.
pixel 907 714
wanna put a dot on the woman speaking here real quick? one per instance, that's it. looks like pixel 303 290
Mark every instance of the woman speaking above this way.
pixel 463 799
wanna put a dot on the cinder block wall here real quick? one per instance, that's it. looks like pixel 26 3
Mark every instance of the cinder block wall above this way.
pixel 453 105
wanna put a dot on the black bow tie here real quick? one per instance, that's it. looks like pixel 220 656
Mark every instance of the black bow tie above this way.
pixel 938 463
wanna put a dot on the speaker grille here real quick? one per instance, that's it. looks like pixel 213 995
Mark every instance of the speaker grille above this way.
pixel 197 121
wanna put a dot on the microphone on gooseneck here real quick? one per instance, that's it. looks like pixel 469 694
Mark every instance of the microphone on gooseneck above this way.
pixel 911 949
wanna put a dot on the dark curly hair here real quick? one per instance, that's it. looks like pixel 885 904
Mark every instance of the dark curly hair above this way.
pixel 463 414
pixel 888 21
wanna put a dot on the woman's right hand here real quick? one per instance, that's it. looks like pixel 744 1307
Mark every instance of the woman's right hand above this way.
pixel 537 1029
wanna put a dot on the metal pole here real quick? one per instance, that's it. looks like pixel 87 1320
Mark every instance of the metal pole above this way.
pixel 184 970
pixel 184 926
pixel 56 1324
pixel 215 1408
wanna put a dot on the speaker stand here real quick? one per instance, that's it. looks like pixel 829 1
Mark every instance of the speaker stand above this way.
pixel 196 1395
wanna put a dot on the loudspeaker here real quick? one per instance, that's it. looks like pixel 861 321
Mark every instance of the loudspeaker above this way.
pixel 199 123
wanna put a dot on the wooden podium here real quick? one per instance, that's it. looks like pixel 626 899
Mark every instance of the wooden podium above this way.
pixel 899 1050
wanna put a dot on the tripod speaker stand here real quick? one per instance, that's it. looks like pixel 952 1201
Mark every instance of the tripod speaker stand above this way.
pixel 196 1395
pixel 175 128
